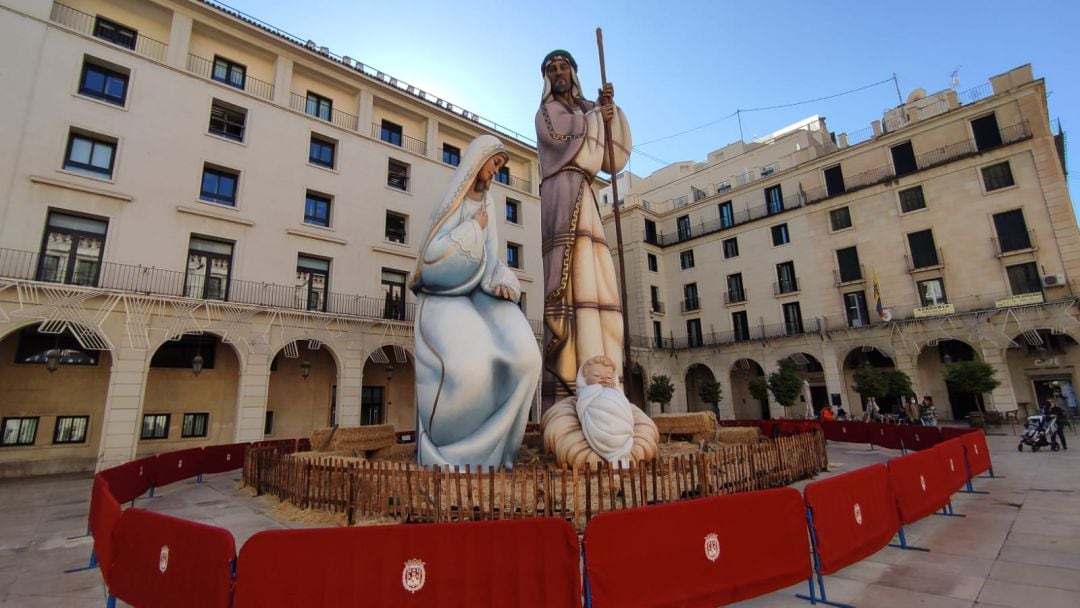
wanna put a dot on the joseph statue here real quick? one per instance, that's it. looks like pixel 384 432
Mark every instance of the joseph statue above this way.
pixel 582 311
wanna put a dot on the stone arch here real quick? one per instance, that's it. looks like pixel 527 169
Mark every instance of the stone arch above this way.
pixel 930 366
pixel 635 387
pixel 695 377
pixel 744 405
pixel 1040 365
pixel 813 372
pixel 388 391
pixel 874 356
pixel 302 389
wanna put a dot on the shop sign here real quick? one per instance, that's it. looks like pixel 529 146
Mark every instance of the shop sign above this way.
pixel 934 311
pixel 1048 362
pixel 1020 300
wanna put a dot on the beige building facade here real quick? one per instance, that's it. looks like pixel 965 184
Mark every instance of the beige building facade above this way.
pixel 956 203
pixel 207 230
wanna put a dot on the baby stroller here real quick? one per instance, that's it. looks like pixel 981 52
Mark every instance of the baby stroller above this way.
pixel 1039 432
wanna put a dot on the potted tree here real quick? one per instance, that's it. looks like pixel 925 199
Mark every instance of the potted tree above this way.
pixel 660 391
pixel 870 383
pixel 759 389
pixel 785 384
pixel 897 385
pixel 710 392
pixel 974 378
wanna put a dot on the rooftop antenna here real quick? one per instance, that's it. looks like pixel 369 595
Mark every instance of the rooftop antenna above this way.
pixel 954 78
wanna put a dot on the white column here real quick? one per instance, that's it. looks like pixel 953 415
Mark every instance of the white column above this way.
pixel 179 40
pixel 834 373
pixel 123 406
pixel 251 398
pixel 1003 399
pixel 432 150
pixel 350 382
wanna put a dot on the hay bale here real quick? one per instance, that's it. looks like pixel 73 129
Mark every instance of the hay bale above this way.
pixel 694 426
pixel 399 452
pixel 533 440
pixel 362 438
pixel 319 437
pixel 735 434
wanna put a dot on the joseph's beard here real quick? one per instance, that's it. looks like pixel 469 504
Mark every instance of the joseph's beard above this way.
pixel 560 87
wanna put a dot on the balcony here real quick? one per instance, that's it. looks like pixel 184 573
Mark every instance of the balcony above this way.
pixel 338 118
pixel 786 286
pixel 851 275
pixel 1017 242
pixel 203 67
pixel 520 184
pixel 691 304
pixel 734 296
pixel 925 260
pixel 24 265
pixel 723 338
pixel 394 138
pixel 657 307
pixel 85 23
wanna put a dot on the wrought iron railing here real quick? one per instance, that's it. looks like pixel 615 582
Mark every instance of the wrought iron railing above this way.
pixel 974 94
pixel 790 285
pixel 85 23
pixel 200 66
pixel 924 260
pixel 691 304
pixel 1014 242
pixel 416 146
pixel 520 184
pixel 344 120
pixel 734 296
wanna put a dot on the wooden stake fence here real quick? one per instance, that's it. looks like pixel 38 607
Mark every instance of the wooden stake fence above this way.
pixel 410 493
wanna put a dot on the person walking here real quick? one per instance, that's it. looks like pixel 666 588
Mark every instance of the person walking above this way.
pixel 1061 417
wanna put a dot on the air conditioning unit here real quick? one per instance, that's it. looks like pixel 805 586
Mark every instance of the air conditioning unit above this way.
pixel 1053 280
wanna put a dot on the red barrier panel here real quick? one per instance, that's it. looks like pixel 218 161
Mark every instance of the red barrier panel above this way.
pixel 949 432
pixel 883 435
pixel 849 431
pixel 104 513
pixel 167 562
pixel 854 515
pixel 978 454
pixel 530 563
pixel 916 437
pixel 221 458
pixel 706 552
pixel 303 444
pixel 768 427
pixel 788 428
pixel 919 483
pixel 952 456
pixel 131 479
pixel 174 466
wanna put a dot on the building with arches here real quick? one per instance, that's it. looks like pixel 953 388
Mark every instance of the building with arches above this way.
pixel 207 229
pixel 954 208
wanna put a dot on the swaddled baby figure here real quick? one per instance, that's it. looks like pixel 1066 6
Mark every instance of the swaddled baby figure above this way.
pixel 606 417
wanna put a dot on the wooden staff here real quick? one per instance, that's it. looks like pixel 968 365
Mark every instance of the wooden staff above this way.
pixel 618 218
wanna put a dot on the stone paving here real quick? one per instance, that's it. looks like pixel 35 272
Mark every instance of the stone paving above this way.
pixel 1018 546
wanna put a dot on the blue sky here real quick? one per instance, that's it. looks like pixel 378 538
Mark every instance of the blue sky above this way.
pixel 678 65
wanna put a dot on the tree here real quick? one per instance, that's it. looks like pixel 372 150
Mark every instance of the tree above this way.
pixel 661 391
pixel 897 384
pixel 710 392
pixel 759 388
pixel 973 377
pixel 786 384
pixel 870 382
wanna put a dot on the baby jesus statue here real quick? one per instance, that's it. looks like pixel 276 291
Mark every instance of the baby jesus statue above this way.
pixel 599 423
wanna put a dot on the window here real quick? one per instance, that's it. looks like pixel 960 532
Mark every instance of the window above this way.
pixel 371 405
pixel 90 154
pixel 698 194
pixel 219 186
pixel 780 235
pixel 912 200
pixel 177 354
pixel 903 157
pixel 503 176
pixel 847 260
pixel 654 298
pixel 103 83
pixel 650 231
pixel 731 248
pixel 723 186
pixel 312 282
pixel 513 211
pixel 681 202
pixel 658 334
pixel 20 431
pixel 115 33
pixel 792 319
pixel 774 200
pixel 735 292
pixel 727 215
pixel 932 292
pixel 317 209
pixel 227 120
pixel 195 425
pixel 653 263
pixel 834 181
pixel 393 283
pixel 397 175
pixel 229 72
pixel 390 133
pixel 682 226
pixel 72 248
pixel 923 252
pixel 268 423
pixel 686 259
pixel 155 426
pixel 740 326
pixel 451 155
pixel 693 333
pixel 786 282
pixel 690 298
pixel 840 218
pixel 855 306
pixel 396 225
pixel 318 106
pixel 997 176
pixel 1012 232
pixel 321 152
pixel 987 134
pixel 1024 278
pixel 513 255
pixel 71 429
pixel 208 269
pixel 34 347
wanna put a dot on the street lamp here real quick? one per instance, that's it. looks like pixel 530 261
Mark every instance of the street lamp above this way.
pixel 52 360
pixel 305 368
pixel 947 359
pixel 197 364
pixel 389 371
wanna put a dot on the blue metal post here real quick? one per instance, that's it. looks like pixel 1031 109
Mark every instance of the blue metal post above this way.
pixel 824 599
pixel 90 566
pixel 903 543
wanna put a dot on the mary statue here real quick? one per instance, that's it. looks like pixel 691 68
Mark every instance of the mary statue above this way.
pixel 477 361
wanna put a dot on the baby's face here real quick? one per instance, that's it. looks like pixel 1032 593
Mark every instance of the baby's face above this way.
pixel 598 373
